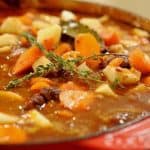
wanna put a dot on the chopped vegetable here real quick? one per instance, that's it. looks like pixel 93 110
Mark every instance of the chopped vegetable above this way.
pixel 140 32
pixel 92 23
pixel 129 43
pixel 105 89
pixel 38 119
pixel 26 20
pixel 38 24
pixel 76 99
pixel 116 62
pixel 70 86
pixel 5 49
pixel 64 113
pixel 140 61
pixel 10 96
pixel 5 118
pixel 63 48
pixel 36 87
pixel 146 80
pixel 8 40
pixel 41 79
pixel 12 25
pixel 42 61
pixel 26 60
pixel 111 39
pixel 86 44
pixel 52 32
pixel 68 15
pixel 124 75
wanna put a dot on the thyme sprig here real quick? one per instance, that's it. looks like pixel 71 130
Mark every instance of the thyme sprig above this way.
pixel 40 71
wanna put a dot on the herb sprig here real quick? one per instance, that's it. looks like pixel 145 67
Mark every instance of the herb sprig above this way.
pixel 40 71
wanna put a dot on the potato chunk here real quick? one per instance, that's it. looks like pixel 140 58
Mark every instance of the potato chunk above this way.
pixel 5 118
pixel 52 32
pixel 12 25
pixel 41 61
pixel 105 89
pixel 10 96
pixel 68 15
pixel 8 40
pixel 38 119
pixel 124 75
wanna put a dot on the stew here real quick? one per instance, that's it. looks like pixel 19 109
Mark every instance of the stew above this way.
pixel 68 75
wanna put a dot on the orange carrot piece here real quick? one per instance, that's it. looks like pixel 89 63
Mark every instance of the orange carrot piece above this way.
pixel 116 62
pixel 111 39
pixel 70 86
pixel 146 80
pixel 26 60
pixel 64 113
pixel 62 48
pixel 41 79
pixel 86 44
pixel 26 20
pixel 12 134
pixel 39 85
pixel 33 31
pixel 140 61
pixel 48 43
pixel 24 41
pixel 93 64
pixel 86 103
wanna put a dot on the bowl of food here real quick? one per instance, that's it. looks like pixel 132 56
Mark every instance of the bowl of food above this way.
pixel 71 71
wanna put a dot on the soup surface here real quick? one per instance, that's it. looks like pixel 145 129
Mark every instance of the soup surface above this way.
pixel 67 75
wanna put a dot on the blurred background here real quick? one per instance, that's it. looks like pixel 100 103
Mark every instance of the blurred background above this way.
pixel 141 7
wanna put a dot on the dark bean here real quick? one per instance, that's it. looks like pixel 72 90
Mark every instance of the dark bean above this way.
pixel 54 92
pixel 45 95
pixel 104 50
pixel 125 63
pixel 28 105
pixel 37 99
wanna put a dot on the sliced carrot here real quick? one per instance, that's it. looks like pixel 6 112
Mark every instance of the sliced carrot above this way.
pixel 93 64
pixel 140 61
pixel 33 31
pixel 116 62
pixel 26 60
pixel 26 20
pixel 146 80
pixel 63 48
pixel 39 85
pixel 48 43
pixel 111 39
pixel 24 41
pixel 41 79
pixel 12 134
pixel 86 103
pixel 70 86
pixel 86 44
pixel 64 113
